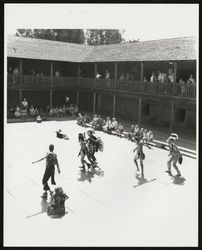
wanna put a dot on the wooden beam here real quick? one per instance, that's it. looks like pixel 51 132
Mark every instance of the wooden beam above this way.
pixel 20 97
pixel 77 98
pixel 114 105
pixel 20 71
pixel 94 102
pixel 139 111
pixel 51 78
pixel 141 74
pixel 172 116
pixel 115 73
pixel 51 98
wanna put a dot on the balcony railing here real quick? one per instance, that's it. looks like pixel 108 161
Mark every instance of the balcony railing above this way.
pixel 74 82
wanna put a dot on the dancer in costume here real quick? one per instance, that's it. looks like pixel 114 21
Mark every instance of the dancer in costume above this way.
pixel 93 144
pixel 175 155
pixel 51 161
pixel 139 154
pixel 60 135
pixel 83 151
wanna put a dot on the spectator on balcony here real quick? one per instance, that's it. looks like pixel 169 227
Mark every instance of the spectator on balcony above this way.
pixel 31 110
pixel 16 71
pixel 57 73
pixel 191 81
pixel 24 104
pixel 107 75
pixel 107 124
pixel 122 77
pixel 170 76
pixel 17 111
pixel 10 71
pixel 127 77
pixel 182 86
pixel 98 75
pixel 153 78
pixel 114 125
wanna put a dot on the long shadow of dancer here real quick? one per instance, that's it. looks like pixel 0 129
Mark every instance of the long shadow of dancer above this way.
pixel 44 206
pixel 177 180
pixel 89 175
pixel 141 180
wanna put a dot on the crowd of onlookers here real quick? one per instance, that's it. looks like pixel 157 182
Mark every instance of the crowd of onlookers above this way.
pixel 113 126
pixel 24 110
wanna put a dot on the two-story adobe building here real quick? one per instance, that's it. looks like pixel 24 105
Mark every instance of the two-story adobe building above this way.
pixel 44 71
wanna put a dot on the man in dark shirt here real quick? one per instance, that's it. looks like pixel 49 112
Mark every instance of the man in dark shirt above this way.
pixel 51 161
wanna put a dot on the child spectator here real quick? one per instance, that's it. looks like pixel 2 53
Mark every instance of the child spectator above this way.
pixel 114 125
pixel 99 123
pixel 17 111
pixel 120 129
pixel 60 111
pixel 94 121
pixel 31 110
pixel 36 112
pixel 107 124
pixel 56 111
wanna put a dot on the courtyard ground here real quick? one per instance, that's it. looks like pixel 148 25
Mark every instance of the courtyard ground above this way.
pixel 110 206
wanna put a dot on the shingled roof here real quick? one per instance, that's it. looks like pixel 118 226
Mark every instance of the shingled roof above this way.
pixel 31 48
pixel 172 49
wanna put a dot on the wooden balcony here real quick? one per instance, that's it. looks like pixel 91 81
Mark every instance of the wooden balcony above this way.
pixel 153 88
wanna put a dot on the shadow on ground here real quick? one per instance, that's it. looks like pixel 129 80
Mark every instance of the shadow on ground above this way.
pixel 89 175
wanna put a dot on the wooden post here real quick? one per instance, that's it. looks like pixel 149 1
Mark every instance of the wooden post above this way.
pixel 139 110
pixel 20 71
pixel 115 74
pixel 172 116
pixel 95 72
pixel 114 105
pixel 51 74
pixel 20 97
pixel 77 98
pixel 141 75
pixel 94 102
pixel 175 78
pixel 78 75
pixel 51 98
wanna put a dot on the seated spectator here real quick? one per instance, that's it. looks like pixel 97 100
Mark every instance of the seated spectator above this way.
pixel 56 111
pixel 120 129
pixel 36 111
pixel 145 134
pixel 99 123
pixel 114 125
pixel 38 119
pixel 94 121
pixel 107 124
pixel 86 119
pixel 24 104
pixel 47 109
pixel 141 132
pixel 71 110
pixel 80 119
pixel 17 111
pixel 76 110
pixel 131 133
pixel 63 110
pixel 31 110
pixel 67 110
pixel 150 136
pixel 51 111
pixel 136 129
pixel 60 113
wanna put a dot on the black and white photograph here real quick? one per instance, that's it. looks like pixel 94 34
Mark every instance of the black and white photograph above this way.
pixel 101 125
